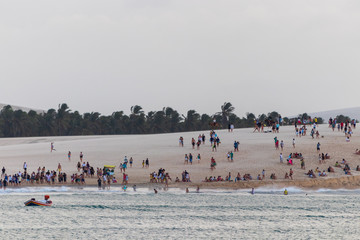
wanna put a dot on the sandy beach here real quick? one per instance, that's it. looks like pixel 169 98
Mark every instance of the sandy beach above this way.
pixel 256 152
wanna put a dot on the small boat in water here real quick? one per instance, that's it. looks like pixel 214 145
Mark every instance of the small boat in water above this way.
pixel 32 202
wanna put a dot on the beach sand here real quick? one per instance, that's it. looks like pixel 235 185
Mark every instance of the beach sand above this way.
pixel 257 152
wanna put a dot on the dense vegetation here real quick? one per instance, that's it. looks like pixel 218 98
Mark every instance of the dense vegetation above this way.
pixel 64 122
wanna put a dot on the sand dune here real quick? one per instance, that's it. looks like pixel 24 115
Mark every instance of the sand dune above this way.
pixel 353 113
pixel 25 109
pixel 257 152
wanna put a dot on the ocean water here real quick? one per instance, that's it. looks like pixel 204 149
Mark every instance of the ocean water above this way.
pixel 211 214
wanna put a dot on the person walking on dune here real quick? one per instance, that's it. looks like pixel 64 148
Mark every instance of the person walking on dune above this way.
pixel 81 156
pixel 52 147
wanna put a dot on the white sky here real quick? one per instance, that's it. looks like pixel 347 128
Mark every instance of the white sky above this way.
pixel 288 56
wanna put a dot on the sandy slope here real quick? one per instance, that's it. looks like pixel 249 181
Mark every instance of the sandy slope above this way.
pixel 257 152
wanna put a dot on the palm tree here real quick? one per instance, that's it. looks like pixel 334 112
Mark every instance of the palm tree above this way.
pixel 62 118
pixel 91 125
pixel 20 124
pixel 274 116
pixel 172 120
pixel 192 120
pixel 7 117
pixel 136 110
pixel 226 110
pixel 48 123
pixel 159 122
pixel 250 119
pixel 75 123
pixel 34 122
pixel 118 125
pixel 137 120
pixel 205 120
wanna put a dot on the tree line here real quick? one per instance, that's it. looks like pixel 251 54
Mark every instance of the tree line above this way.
pixel 64 122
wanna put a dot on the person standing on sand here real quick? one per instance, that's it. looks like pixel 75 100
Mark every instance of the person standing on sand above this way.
pixel 302 162
pixel 236 146
pixel 78 166
pixel 186 161
pixel 318 147
pixel 99 183
pixel 147 163
pixel 263 174
pixel 281 158
pixel 291 173
pixel 282 145
pixel 198 158
pixel 277 144
pixel 25 166
pixel 69 155
pixel 124 166
pixel 143 163
pixel 81 156
pixel 131 161
pixel 294 142
pixel 52 147
pixel 181 141
pixel 212 164
pixel 214 147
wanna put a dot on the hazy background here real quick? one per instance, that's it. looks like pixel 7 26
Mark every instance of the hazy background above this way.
pixel 288 56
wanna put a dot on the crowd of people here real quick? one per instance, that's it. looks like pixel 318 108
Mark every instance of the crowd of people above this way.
pixel 160 177
pixel 41 176
pixel 105 178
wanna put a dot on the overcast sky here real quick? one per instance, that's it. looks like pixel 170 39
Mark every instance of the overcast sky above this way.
pixel 105 56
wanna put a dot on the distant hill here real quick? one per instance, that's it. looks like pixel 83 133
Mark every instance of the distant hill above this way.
pixel 25 109
pixel 353 113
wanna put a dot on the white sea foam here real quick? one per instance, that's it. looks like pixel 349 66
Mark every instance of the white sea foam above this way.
pixel 171 191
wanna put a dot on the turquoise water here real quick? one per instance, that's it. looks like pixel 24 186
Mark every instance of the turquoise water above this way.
pixel 268 214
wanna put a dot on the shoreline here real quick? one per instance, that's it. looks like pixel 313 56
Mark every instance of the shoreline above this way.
pixel 346 182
